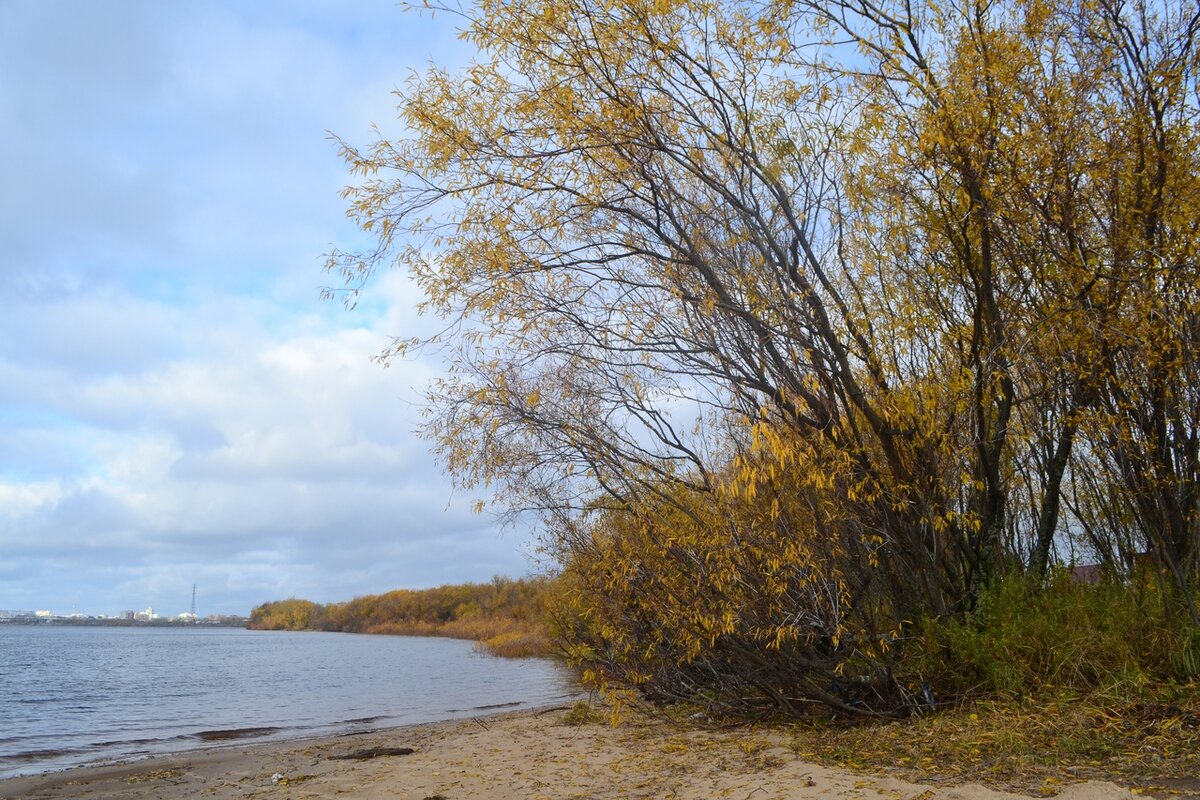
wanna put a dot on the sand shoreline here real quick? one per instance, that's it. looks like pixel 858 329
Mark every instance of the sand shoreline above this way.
pixel 523 754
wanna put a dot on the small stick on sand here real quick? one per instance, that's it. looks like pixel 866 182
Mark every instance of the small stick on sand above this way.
pixel 373 752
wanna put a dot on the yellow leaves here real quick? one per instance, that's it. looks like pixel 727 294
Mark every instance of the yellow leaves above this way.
pixel 608 210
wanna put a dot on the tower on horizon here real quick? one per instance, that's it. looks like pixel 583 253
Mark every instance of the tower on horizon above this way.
pixel 193 601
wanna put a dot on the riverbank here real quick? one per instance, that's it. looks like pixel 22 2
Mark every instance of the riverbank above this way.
pixel 506 617
pixel 548 754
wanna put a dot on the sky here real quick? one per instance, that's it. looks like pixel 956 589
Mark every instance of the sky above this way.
pixel 178 405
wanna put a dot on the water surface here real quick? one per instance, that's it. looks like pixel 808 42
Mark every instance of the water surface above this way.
pixel 74 695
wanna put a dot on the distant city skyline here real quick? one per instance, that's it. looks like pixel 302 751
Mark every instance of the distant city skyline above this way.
pixel 57 609
pixel 147 614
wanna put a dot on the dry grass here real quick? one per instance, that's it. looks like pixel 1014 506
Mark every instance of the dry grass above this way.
pixel 518 644
pixel 502 636
pixel 1032 746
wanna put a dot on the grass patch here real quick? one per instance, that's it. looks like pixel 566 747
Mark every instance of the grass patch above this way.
pixel 519 643
pixel 1027 639
pixel 1045 683
pixel 1032 745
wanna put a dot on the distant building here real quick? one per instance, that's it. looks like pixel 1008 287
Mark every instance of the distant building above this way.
pixel 15 614
pixel 43 614
pixel 127 615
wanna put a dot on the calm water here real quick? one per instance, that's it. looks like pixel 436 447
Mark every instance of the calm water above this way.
pixel 70 696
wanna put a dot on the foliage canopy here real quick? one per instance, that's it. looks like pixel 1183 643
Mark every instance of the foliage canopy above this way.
pixel 800 322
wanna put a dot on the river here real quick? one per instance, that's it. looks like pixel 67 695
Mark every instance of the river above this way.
pixel 76 695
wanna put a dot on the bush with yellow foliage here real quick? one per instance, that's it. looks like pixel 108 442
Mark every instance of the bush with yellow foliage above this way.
pixel 805 324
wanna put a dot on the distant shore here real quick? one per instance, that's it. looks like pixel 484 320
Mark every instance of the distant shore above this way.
pixel 112 622
pixel 554 753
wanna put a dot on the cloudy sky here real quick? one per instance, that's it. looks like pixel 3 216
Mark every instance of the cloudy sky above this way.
pixel 177 404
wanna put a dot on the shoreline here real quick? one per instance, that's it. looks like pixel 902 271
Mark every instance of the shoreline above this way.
pixel 222 739
pixel 543 753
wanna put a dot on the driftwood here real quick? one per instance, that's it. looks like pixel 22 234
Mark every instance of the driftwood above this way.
pixel 372 752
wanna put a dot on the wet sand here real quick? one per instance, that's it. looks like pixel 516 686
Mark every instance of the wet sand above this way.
pixel 519 755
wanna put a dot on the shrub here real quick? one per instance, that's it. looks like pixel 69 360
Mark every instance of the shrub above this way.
pixel 1027 638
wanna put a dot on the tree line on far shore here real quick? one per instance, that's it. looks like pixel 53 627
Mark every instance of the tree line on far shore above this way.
pixel 507 617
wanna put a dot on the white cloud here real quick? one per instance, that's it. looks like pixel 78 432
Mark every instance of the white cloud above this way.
pixel 176 405
pixel 21 500
pixel 288 457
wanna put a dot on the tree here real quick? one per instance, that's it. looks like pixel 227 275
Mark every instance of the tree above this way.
pixel 788 317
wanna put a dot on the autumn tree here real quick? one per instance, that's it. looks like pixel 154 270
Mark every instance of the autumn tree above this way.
pixel 798 322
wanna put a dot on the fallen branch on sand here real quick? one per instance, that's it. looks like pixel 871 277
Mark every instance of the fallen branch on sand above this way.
pixel 373 752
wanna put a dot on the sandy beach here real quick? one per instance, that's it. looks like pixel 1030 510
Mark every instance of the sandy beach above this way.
pixel 522 755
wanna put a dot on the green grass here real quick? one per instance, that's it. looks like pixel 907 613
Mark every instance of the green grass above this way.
pixel 1116 638
pixel 1043 684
